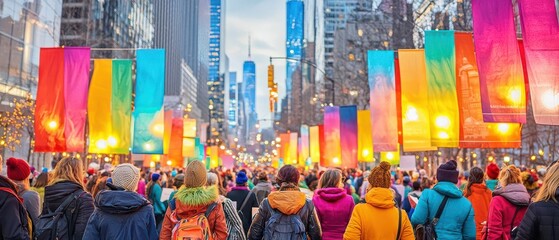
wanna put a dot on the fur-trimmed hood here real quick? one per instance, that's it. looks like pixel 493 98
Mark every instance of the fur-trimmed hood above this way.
pixel 193 201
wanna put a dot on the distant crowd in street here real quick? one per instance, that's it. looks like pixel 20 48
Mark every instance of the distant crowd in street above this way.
pixel 71 201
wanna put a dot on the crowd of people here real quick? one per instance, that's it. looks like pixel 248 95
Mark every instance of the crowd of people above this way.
pixel 126 202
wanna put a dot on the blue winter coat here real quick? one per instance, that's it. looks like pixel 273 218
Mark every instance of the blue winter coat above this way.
pixel 121 215
pixel 457 219
pixel 155 198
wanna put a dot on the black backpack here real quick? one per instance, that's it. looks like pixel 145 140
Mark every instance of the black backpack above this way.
pixel 427 231
pixel 51 225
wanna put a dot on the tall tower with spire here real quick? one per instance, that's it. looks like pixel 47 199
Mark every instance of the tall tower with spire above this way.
pixel 249 87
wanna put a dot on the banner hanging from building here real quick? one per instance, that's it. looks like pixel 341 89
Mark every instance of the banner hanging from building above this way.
pixel 76 85
pixel 364 136
pixel 503 95
pixel 314 142
pixel 332 148
pixel 348 132
pixel 474 133
pixel 416 133
pixel 540 33
pixel 304 154
pixel 293 146
pixel 382 87
pixel 441 80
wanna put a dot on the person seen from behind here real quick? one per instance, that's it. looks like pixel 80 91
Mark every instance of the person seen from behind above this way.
pixel 194 199
pixel 67 182
pixel 263 188
pixel 15 222
pixel 287 213
pixel 19 172
pixel 510 202
pixel 234 224
pixel 457 218
pixel 333 205
pixel 492 173
pixel 245 199
pixel 120 212
pixel 480 197
pixel 379 218
pixel 40 183
pixel 541 220
pixel 153 193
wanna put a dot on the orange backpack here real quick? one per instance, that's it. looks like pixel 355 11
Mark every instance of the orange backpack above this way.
pixel 192 228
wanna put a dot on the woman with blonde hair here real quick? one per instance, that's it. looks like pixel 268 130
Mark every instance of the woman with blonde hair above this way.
pixel 541 220
pixel 509 203
pixel 66 183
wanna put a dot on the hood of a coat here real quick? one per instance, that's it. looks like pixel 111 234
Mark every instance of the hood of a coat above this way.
pixel 7 183
pixel 263 184
pixel 287 202
pixel 118 202
pixel 331 194
pixel 380 197
pixel 448 189
pixel 60 190
pixel 515 193
pixel 478 188
pixel 193 201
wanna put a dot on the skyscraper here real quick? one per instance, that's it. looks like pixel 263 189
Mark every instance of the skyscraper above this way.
pixel 249 85
pixel 232 108
pixel 217 69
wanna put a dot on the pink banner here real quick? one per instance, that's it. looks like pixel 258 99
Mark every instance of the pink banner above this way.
pixel 503 92
pixel 332 148
pixel 76 85
pixel 540 32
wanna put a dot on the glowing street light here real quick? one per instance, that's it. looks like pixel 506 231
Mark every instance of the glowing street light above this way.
pixel 506 159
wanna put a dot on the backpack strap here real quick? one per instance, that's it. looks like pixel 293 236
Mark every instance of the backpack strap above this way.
pixel 245 201
pixel 210 209
pixel 399 223
pixel 62 207
pixel 11 192
pixel 514 217
pixel 439 211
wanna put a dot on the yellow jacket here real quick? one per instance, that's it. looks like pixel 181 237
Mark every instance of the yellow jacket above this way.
pixel 378 218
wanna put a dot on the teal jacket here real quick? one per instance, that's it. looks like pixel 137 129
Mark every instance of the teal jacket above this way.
pixel 155 199
pixel 457 219
pixel 491 184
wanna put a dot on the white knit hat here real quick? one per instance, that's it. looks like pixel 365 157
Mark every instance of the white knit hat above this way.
pixel 126 176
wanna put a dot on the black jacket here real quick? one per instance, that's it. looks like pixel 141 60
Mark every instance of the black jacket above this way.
pixel 121 215
pixel 541 221
pixel 13 216
pixel 57 193
pixel 238 195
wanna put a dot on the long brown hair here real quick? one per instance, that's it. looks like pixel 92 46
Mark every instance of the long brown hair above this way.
pixel 42 180
pixel 68 169
pixel 332 178
pixel 509 175
pixel 476 176
pixel 550 185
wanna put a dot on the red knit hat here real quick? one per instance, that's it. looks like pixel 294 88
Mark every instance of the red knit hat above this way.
pixel 492 171
pixel 18 169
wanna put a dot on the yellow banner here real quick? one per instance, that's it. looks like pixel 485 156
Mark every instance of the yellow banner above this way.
pixel 364 136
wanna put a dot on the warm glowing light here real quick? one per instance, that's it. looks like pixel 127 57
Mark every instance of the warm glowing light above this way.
pixel 541 152
pixel 107 159
pixel 222 147
pixel 101 144
pixel 78 155
pixel 52 124
pixel 503 127
pixel 148 146
pixel 443 135
pixel 440 153
pixel 442 122
pixel 169 162
pixel 424 159
pixel 365 153
pixel 389 156
pixel 112 141
pixel 151 164
pixel 474 155
pixel 336 160
pixel 533 158
pixel 236 139
pixel 278 139
pixel 411 114
pixel 158 128
pixel 491 158
pixel 506 159
pixel 64 154
pixel 515 95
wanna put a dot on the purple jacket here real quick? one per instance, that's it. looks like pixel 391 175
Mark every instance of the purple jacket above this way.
pixel 334 208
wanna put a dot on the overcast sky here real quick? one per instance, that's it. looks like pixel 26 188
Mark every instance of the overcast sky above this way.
pixel 264 21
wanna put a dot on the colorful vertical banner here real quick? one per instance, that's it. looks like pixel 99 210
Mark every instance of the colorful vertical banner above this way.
pixel 167 128
pixel 503 95
pixel 414 97
pixel 60 110
pixel 76 85
pixel 540 32
pixel 189 147
pixel 441 80
pixel 364 136
pixel 214 156
pixel 305 145
pixel 99 105
pixel 382 84
pixel 392 157
pixel 474 133
pixel 314 142
pixel 175 154
pixel 348 134
pixel 322 143
pixel 284 149
pixel 199 150
pixel 332 143
pixel 121 107
pixel 148 114
pixel 293 145
pixel 190 127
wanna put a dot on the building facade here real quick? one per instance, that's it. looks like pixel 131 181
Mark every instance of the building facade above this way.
pixel 217 70
pixel 232 107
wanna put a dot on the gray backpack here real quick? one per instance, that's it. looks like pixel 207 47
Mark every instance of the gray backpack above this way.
pixel 285 227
